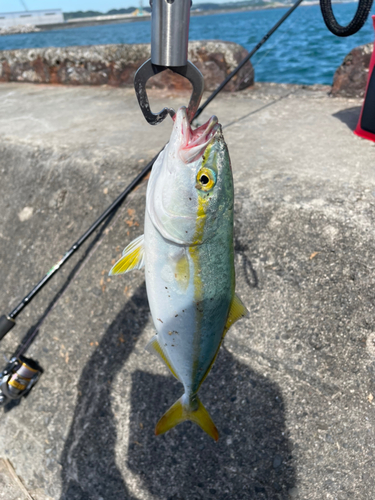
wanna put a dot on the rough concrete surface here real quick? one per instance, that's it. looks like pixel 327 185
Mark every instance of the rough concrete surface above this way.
pixel 12 487
pixel 292 389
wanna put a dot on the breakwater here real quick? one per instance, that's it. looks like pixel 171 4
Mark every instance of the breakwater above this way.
pixel 116 65
pixel 302 50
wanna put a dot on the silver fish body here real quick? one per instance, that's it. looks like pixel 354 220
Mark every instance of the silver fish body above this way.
pixel 188 255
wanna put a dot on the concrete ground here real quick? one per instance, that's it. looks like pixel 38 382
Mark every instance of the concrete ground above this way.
pixel 293 389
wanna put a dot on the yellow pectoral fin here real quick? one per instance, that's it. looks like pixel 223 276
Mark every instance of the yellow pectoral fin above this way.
pixel 154 346
pixel 133 257
pixel 179 413
pixel 236 311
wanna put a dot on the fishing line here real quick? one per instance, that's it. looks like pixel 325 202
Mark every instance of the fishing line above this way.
pixel 247 58
pixel 277 42
pixel 30 336
pixel 265 106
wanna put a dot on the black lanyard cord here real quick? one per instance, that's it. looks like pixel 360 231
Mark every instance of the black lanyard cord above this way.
pixel 359 19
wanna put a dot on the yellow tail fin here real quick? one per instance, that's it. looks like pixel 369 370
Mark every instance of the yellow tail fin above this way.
pixel 179 412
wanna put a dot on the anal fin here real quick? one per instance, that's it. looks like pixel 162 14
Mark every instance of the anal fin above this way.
pixel 154 347
pixel 133 257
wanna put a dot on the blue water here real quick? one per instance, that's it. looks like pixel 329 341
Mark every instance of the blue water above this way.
pixel 301 51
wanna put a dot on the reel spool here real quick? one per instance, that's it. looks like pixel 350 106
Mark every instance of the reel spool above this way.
pixel 18 378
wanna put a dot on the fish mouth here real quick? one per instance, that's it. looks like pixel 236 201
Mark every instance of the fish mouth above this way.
pixel 195 142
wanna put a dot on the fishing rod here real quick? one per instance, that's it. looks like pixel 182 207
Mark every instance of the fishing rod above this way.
pixel 7 322
pixel 21 373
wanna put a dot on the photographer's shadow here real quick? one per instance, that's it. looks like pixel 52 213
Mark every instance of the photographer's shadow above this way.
pixel 252 458
pixel 89 469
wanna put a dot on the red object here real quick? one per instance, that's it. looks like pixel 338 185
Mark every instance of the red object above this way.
pixel 366 122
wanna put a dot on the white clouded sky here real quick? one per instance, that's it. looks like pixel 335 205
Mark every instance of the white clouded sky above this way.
pixel 71 5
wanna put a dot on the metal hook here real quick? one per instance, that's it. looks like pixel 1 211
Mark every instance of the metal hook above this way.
pixel 147 70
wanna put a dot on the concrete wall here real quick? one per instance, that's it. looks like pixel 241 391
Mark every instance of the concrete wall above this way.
pixel 33 17
pixel 292 390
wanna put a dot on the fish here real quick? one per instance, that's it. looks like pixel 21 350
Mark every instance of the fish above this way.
pixel 187 253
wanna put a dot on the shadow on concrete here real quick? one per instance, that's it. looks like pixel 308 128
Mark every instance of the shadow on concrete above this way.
pixel 243 261
pixel 89 469
pixel 349 116
pixel 252 458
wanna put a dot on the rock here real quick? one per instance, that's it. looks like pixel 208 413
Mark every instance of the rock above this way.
pixel 116 65
pixel 350 78
pixel 216 59
pixel 26 214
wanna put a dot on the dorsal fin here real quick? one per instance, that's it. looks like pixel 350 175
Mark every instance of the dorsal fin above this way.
pixel 236 311
pixel 154 347
pixel 133 257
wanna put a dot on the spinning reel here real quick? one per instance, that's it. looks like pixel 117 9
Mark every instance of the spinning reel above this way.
pixel 18 378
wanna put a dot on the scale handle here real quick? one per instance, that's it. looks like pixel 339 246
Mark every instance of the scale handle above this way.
pixel 170 32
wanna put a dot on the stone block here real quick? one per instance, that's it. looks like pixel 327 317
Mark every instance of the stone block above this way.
pixel 116 65
pixel 350 78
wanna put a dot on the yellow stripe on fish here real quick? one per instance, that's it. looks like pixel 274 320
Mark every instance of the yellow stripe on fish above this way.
pixel 198 285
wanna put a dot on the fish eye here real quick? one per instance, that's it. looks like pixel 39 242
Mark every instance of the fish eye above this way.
pixel 206 179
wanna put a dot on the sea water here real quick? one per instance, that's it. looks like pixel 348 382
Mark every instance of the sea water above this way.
pixel 301 51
